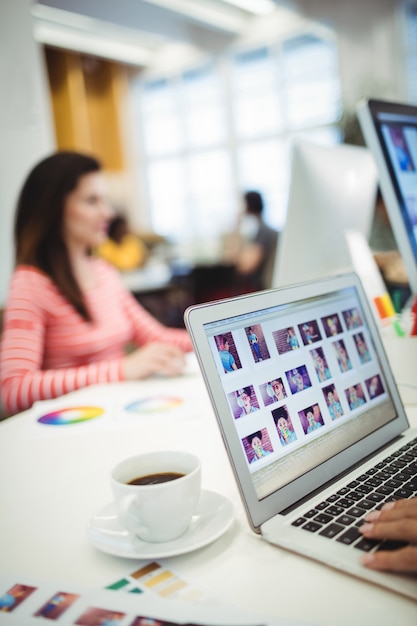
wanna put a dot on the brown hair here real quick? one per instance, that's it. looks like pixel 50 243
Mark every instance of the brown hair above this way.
pixel 254 202
pixel 39 215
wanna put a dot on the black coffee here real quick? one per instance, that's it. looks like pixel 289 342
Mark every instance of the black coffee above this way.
pixel 155 479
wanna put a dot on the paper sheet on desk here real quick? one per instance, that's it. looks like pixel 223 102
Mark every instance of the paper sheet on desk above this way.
pixel 160 399
pixel 117 405
pixel 153 577
pixel 72 604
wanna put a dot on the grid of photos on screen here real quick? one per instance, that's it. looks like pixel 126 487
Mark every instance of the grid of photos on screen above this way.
pixel 287 383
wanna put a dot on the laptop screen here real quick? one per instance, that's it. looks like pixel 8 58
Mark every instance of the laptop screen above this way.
pixel 302 381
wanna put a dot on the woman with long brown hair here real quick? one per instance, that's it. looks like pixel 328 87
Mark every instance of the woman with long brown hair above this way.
pixel 68 316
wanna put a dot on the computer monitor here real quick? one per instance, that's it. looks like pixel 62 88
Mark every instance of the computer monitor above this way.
pixel 390 131
pixel 332 190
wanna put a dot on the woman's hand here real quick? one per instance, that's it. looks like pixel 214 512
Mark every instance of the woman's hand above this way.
pixel 396 521
pixel 153 358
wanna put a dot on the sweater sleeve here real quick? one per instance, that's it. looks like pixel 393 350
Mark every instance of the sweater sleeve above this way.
pixel 22 379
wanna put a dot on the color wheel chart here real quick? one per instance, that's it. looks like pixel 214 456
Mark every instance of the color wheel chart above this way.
pixel 70 415
pixel 154 404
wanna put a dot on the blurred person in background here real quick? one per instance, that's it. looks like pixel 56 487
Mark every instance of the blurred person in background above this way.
pixel 68 316
pixel 122 248
pixel 256 247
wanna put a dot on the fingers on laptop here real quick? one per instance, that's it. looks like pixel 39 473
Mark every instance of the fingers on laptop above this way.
pixel 402 560
pixel 396 521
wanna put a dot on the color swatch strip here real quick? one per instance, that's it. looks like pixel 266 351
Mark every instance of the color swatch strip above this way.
pixel 160 580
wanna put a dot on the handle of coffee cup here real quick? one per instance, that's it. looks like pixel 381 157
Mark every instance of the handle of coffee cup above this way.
pixel 126 506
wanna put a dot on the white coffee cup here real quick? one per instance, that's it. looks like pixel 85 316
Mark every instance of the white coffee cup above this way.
pixel 162 511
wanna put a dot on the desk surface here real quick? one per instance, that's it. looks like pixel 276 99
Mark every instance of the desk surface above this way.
pixel 153 277
pixel 53 479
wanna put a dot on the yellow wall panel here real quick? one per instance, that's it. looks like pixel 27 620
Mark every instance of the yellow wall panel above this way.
pixel 68 100
pixel 104 113
pixel 88 97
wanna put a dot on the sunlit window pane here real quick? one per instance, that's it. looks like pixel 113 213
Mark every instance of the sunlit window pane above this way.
pixel 212 206
pixel 308 56
pixel 264 166
pixel 201 155
pixel 327 136
pixel 258 115
pixel 312 102
pixel 206 127
pixel 161 123
pixel 167 197
pixel 194 198
pixel 312 93
pixel 252 69
pixel 205 121
pixel 256 101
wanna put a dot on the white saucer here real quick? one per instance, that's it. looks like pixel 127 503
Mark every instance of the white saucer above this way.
pixel 214 516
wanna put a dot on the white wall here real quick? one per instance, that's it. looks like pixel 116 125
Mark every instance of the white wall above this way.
pixel 371 53
pixel 25 119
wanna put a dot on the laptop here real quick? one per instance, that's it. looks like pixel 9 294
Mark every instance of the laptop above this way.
pixel 310 416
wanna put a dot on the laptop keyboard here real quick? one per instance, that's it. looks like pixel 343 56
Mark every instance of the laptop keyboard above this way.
pixel 340 515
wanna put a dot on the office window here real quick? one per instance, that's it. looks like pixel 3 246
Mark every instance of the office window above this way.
pixel 211 192
pixel 204 111
pixel 188 170
pixel 191 198
pixel 217 130
pixel 167 196
pixel 256 103
pixel 265 165
pixel 312 89
pixel 162 132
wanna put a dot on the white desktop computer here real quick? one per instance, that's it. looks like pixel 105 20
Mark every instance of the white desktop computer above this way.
pixel 332 190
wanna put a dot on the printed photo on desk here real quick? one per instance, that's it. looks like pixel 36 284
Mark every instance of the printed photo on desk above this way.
pixel 25 601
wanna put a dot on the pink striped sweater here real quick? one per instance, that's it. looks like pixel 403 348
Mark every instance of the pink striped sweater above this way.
pixel 48 350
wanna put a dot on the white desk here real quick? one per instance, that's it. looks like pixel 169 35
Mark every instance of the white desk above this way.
pixel 53 479
pixel 153 277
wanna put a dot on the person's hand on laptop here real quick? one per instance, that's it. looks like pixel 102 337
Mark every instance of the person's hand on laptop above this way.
pixel 396 521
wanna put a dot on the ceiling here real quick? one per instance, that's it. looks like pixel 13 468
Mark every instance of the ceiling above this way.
pixel 138 32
